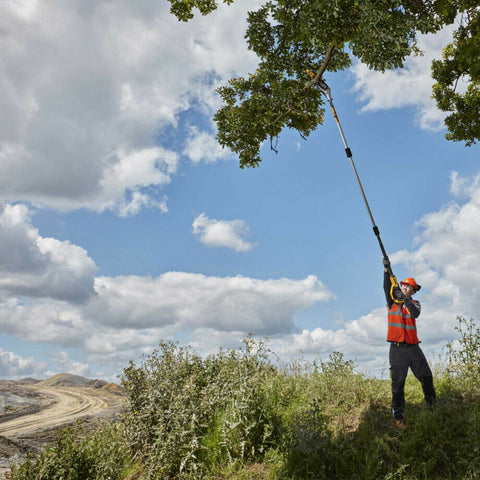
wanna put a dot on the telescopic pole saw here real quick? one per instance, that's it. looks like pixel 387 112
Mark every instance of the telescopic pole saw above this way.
pixel 324 88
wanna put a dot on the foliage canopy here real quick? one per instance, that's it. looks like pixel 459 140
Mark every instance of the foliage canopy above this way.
pixel 291 36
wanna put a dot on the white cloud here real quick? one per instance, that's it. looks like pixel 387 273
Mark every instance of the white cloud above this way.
pixel 66 365
pixel 87 88
pixel 36 266
pixel 363 340
pixel 145 168
pixel 410 86
pixel 447 256
pixel 14 366
pixel 127 208
pixel 185 301
pixel 45 321
pixel 463 186
pixel 203 146
pixel 222 233
pixel 130 315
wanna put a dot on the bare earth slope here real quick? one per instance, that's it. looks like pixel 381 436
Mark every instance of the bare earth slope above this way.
pixel 68 404
pixel 51 405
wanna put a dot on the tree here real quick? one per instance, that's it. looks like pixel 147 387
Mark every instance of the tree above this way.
pixel 461 59
pixel 291 36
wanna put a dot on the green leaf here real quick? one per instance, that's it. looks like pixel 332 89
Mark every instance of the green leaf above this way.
pixel 291 36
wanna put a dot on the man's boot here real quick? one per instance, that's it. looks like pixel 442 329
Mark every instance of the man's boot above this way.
pixel 401 424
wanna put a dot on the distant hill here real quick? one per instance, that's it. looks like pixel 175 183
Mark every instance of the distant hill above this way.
pixel 114 388
pixel 69 380
pixel 96 383
pixel 28 381
pixel 64 380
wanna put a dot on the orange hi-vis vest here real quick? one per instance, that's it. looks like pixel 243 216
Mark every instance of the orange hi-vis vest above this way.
pixel 401 326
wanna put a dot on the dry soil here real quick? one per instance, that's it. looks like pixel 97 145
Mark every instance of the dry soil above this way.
pixel 32 414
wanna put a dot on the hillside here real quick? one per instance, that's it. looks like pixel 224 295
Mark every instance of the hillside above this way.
pixel 64 380
pixel 31 411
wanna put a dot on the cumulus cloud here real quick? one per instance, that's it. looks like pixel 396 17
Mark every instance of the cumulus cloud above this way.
pixel 222 233
pixel 66 364
pixel 362 340
pixel 447 256
pixel 14 366
pixel 130 315
pixel 187 300
pixel 131 206
pixel 146 168
pixel 86 92
pixel 36 266
pixel 409 86
pixel 463 186
pixel 203 146
pixel 44 321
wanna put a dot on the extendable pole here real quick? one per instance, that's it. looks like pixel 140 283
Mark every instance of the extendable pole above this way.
pixel 326 91
pixel 393 280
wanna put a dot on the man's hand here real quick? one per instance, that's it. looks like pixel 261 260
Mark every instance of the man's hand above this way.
pixel 398 294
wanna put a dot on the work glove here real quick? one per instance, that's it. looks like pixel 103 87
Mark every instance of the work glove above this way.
pixel 398 294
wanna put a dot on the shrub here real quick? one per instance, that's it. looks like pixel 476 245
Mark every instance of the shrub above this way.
pixel 186 413
pixel 464 354
pixel 76 455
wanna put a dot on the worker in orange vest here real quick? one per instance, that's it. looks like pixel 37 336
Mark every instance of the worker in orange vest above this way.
pixel 405 351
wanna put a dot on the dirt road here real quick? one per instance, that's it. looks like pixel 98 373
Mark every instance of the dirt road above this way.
pixel 59 406
pixel 68 404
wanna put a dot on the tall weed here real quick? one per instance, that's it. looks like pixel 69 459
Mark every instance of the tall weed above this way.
pixel 464 354
pixel 76 455
pixel 181 408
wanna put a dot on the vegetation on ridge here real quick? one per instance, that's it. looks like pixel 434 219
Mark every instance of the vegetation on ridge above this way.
pixel 236 415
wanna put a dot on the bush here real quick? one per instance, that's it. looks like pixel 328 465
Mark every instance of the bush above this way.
pixel 186 414
pixel 76 455
pixel 464 354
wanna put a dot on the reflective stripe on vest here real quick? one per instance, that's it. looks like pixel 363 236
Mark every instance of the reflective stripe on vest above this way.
pixel 401 326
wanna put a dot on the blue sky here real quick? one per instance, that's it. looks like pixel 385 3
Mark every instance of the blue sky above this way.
pixel 123 223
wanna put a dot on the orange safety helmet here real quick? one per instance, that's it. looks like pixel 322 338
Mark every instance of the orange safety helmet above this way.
pixel 411 281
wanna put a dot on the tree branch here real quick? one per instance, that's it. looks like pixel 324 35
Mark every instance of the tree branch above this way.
pixel 323 67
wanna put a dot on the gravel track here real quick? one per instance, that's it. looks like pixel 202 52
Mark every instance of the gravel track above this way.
pixel 56 407
pixel 69 404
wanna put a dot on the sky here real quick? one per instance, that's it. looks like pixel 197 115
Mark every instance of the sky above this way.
pixel 123 224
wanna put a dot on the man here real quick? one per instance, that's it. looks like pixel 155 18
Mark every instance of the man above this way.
pixel 405 351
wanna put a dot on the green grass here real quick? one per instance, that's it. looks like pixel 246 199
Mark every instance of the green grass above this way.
pixel 236 415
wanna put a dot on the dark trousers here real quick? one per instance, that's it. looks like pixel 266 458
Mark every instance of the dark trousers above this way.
pixel 403 357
